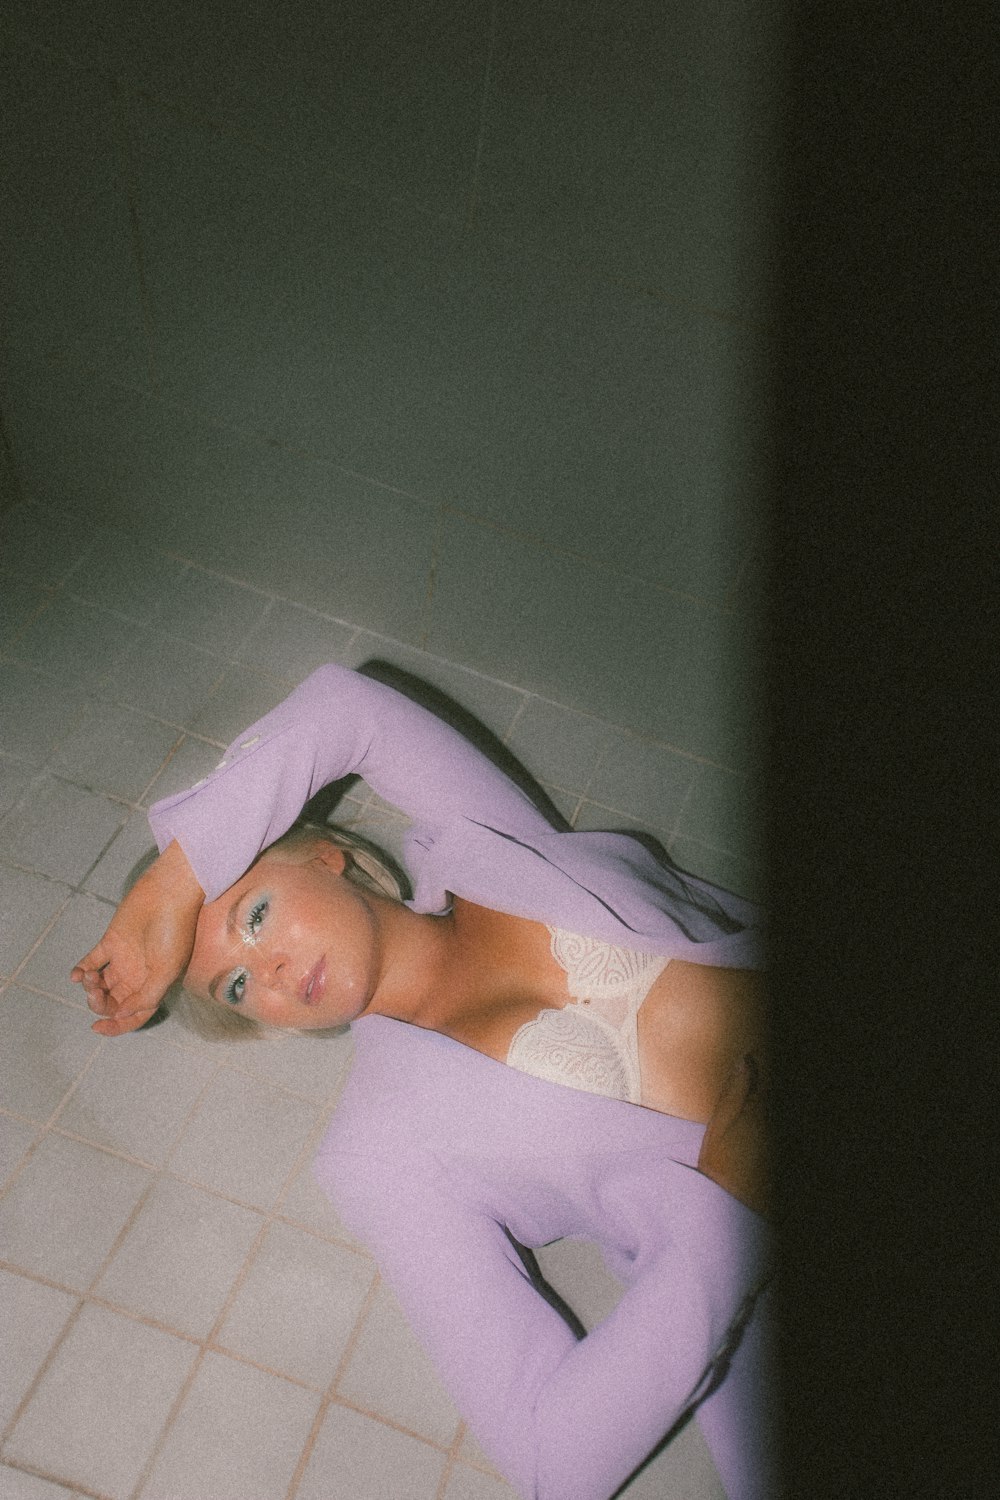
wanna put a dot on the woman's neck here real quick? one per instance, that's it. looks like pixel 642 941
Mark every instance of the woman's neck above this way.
pixel 440 972
pixel 417 965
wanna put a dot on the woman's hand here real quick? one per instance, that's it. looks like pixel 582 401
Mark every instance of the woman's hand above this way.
pixel 146 947
pixel 735 1150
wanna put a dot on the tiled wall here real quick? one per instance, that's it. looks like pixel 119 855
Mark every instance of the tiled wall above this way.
pixel 434 332
pixel 446 320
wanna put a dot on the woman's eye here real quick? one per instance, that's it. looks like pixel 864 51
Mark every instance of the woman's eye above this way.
pixel 256 917
pixel 235 988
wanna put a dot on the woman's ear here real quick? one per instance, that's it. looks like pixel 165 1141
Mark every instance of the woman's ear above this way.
pixel 330 855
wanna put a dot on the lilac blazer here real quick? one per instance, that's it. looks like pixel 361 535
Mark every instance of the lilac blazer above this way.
pixel 435 1149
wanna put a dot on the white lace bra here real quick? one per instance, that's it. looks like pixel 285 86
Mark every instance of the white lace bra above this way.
pixel 592 1043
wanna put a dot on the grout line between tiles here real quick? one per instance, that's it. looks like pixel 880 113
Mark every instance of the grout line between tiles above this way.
pixel 302 1462
pixel 376 1416
pixel 46 930
pixel 535 539
pixel 206 1344
pixel 210 1343
pixel 427 607
pixel 26 1399
pixel 51 1126
pixel 449 1463
pixel 170 1419
pixel 75 1489
pixel 355 1334
pixel 470 214
pixel 695 781
pixel 129 186
pixel 359 630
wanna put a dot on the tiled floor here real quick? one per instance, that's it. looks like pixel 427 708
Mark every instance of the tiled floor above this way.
pixel 431 333
pixel 187 1320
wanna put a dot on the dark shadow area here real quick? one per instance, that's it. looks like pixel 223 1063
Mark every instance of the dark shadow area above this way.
pixel 460 719
pixel 322 808
pixel 884 629
pixel 468 726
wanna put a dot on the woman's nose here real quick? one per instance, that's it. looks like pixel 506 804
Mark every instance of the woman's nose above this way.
pixel 275 971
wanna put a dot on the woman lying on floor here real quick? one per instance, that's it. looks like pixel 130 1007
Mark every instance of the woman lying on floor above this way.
pixel 543 1033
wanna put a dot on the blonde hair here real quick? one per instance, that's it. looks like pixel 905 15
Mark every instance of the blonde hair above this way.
pixel 367 866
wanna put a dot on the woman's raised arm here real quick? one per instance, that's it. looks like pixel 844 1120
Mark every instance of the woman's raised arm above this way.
pixel 336 723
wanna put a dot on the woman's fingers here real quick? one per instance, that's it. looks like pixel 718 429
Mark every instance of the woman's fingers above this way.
pixel 118 1025
pixel 99 955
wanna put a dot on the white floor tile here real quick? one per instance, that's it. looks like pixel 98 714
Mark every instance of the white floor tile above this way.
pixel 358 1459
pixel 289 643
pixel 114 750
pixel 244 1139
pixel 145 581
pixel 558 745
pixel 169 679
pixel 137 1095
pixel 683 1468
pixel 643 779
pixel 565 803
pixel 38 713
pixel 15 776
pixel 390 1374
pixel 470 1484
pixel 61 1216
pixel 241 698
pixel 60 830
pixel 32 1317
pixel 594 815
pixel 102 1403
pixel 73 642
pixel 17 1485
pixel 39 545
pixel 726 870
pixel 724 810
pixel 179 1260
pixel 211 612
pixel 113 871
pixel 577 1271
pixel 298 1306
pixel 311 1066
pixel 469 1449
pixel 20 603
pixel 308 1205
pixel 239 1434
pixel 77 929
pixel 15 1138
pixel 27 903
pixel 193 761
pixel 45 1048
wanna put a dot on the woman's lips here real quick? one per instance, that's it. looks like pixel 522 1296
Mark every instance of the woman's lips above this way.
pixel 313 984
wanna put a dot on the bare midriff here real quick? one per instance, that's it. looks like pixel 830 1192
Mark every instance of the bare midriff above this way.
pixel 694 1025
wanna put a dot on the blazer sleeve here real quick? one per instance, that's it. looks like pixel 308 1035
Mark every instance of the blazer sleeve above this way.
pixel 334 724
pixel 561 1419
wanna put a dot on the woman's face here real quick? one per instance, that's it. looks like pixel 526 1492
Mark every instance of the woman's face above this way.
pixel 293 943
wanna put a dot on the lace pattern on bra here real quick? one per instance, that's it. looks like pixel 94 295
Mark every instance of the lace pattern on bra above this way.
pixel 592 1043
